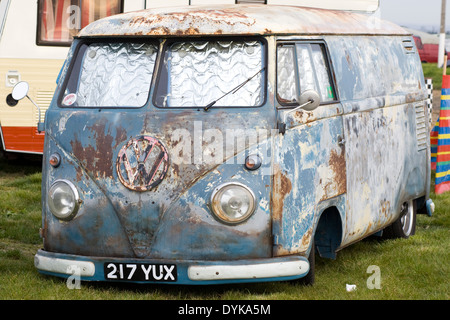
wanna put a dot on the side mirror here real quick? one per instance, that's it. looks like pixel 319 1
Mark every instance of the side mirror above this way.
pixel 19 92
pixel 309 100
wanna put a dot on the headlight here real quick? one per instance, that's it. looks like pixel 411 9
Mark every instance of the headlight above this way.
pixel 63 199
pixel 233 202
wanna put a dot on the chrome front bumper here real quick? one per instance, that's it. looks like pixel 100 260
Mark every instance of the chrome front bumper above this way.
pixel 187 271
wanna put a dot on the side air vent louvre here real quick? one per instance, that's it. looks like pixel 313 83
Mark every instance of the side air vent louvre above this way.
pixel 421 127
pixel 408 46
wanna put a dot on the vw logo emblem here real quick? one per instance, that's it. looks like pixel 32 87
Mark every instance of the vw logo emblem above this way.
pixel 142 163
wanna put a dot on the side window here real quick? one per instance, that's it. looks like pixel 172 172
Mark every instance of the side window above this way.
pixel 60 20
pixel 287 84
pixel 300 67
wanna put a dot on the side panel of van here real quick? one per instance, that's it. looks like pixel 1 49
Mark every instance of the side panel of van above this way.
pixel 383 95
pixel 365 156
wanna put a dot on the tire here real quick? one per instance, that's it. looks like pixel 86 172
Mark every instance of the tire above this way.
pixel 405 225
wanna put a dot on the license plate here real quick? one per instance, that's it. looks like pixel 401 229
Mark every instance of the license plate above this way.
pixel 140 271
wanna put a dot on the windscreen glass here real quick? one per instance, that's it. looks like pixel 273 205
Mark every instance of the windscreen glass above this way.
pixel 111 75
pixel 196 73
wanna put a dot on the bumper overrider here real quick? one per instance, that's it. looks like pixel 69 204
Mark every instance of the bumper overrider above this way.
pixel 170 271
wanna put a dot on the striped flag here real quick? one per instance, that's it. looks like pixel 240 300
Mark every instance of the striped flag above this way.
pixel 434 144
pixel 442 182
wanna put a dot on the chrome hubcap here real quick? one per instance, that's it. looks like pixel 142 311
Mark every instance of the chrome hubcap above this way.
pixel 407 218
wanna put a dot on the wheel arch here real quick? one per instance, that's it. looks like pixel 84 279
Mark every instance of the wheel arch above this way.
pixel 329 230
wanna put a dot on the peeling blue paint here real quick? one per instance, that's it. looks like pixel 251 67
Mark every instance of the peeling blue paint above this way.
pixel 345 168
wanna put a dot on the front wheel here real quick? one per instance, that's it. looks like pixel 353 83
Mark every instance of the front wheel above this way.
pixel 405 225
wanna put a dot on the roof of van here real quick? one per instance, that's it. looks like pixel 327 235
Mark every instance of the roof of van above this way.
pixel 239 20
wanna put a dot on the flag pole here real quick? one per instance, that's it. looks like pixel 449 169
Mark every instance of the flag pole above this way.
pixel 441 52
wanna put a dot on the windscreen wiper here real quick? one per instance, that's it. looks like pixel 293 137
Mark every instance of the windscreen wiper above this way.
pixel 233 91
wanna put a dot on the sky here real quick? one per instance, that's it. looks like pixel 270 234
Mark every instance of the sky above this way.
pixel 416 14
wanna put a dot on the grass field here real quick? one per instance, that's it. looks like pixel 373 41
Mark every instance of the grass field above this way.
pixel 430 70
pixel 414 269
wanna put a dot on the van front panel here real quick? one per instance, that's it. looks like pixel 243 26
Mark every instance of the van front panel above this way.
pixel 142 172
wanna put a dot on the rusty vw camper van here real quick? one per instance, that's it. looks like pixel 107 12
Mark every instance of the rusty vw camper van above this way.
pixel 220 144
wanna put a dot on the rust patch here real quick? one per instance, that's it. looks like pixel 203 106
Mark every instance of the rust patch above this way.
pixel 413 97
pixel 385 208
pixel 306 239
pixel 243 20
pixel 280 251
pixel 337 164
pixel 282 186
pixel 303 116
pixel 188 31
pixel 215 14
pixel 121 135
pixel 158 23
pixel 349 62
pixel 96 159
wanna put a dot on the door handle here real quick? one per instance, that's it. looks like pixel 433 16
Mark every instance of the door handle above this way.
pixel 340 141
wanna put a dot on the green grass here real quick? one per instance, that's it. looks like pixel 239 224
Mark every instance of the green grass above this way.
pixel 430 70
pixel 20 212
pixel 412 269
